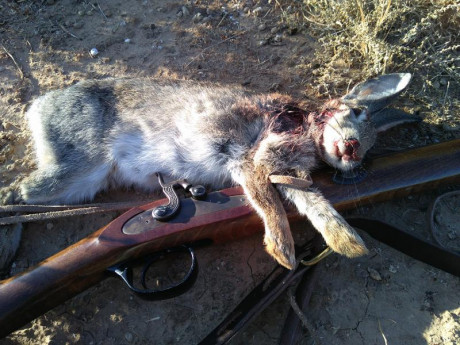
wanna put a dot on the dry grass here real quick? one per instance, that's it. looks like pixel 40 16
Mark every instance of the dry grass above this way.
pixel 363 38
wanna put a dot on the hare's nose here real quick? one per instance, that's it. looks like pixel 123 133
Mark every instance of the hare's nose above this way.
pixel 351 148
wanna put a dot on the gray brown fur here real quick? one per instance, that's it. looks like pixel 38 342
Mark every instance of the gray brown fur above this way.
pixel 118 132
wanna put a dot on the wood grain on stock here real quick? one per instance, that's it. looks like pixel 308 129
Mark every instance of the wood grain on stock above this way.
pixel 73 270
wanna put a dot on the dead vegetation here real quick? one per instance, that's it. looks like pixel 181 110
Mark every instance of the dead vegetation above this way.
pixel 362 38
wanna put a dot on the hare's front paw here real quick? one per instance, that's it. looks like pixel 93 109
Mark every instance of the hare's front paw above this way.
pixel 282 249
pixel 343 239
pixel 33 190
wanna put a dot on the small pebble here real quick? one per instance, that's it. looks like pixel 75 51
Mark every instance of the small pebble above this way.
pixel 49 226
pixel 274 30
pixel 374 274
pixel 129 337
pixel 127 40
pixel 185 11
pixel 78 25
pixel 262 43
pixel 197 17
pixel 392 269
pixel 261 27
pixel 131 20
pixel 278 38
pixel 258 11
pixel 94 52
pixel 81 13
pixel 443 81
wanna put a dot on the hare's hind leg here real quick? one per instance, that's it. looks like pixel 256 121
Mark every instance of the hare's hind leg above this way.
pixel 266 201
pixel 340 236
pixel 60 185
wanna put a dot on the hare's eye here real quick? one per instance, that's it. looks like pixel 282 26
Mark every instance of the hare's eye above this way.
pixel 356 111
pixel 360 114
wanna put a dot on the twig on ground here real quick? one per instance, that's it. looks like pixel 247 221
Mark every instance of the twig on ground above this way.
pixel 100 9
pixel 21 73
pixel 67 31
pixel 306 324
pixel 223 17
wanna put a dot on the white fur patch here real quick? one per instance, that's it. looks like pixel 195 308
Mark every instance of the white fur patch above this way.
pixel 44 152
pixel 85 187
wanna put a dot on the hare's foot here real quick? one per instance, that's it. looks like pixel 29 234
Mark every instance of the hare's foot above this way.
pixel 343 239
pixel 63 186
pixel 281 247
pixel 37 188
pixel 339 236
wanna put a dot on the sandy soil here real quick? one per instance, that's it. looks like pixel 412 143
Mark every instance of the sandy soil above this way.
pixel 46 44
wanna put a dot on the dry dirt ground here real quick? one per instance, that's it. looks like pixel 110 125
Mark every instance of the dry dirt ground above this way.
pixel 46 44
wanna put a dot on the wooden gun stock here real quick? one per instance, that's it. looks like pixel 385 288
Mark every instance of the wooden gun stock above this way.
pixel 225 215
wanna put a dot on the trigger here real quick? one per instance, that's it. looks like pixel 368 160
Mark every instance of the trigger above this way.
pixel 125 271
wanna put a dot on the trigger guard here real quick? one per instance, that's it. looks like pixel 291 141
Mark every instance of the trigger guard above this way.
pixel 125 272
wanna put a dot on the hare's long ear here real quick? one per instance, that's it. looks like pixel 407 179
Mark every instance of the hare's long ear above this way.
pixel 375 94
pixel 266 201
pixel 390 117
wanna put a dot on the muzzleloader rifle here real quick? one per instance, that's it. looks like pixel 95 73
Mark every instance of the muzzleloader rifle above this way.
pixel 219 217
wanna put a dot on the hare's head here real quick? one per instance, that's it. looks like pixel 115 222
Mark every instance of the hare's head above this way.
pixel 346 128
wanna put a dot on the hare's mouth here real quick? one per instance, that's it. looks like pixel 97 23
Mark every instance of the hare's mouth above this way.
pixel 347 150
pixel 349 158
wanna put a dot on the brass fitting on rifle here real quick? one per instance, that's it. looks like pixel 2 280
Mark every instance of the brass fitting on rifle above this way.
pixel 317 258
